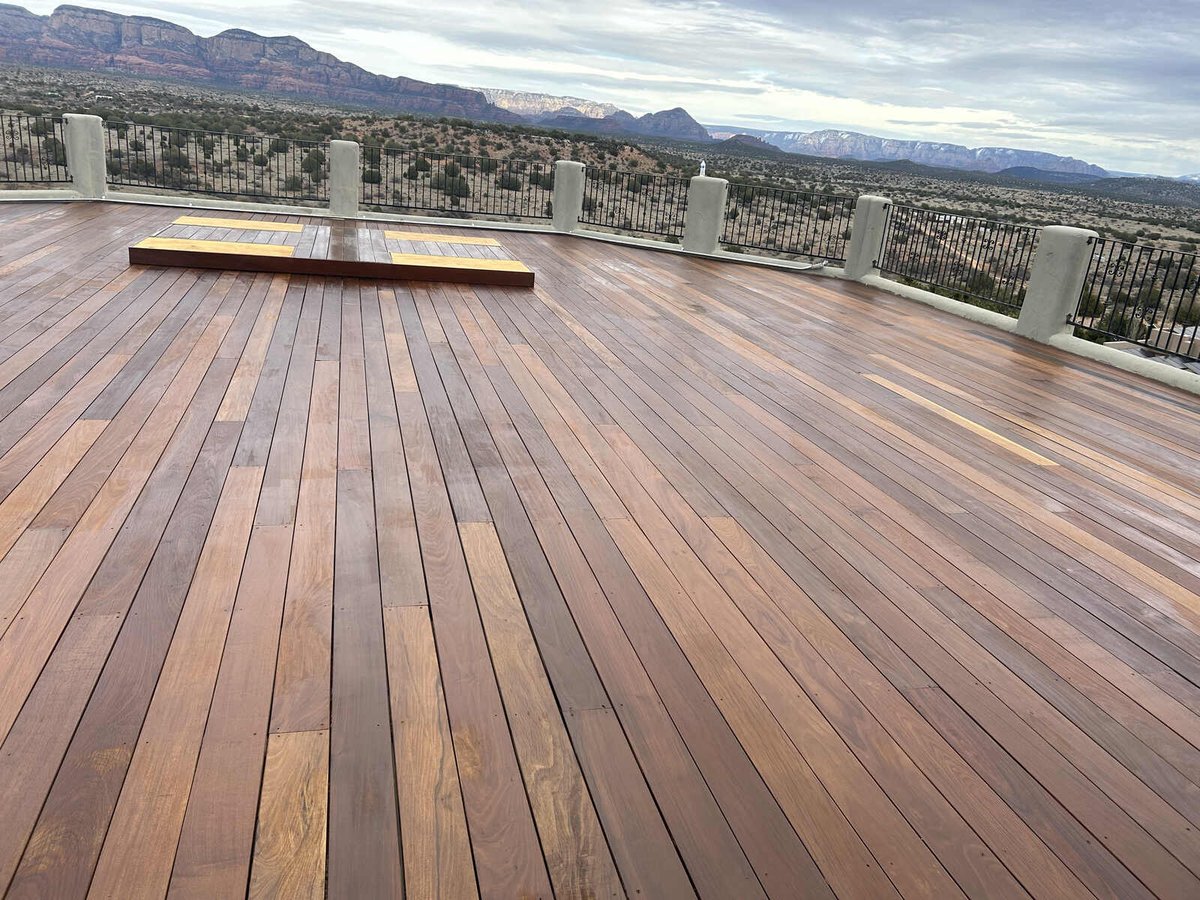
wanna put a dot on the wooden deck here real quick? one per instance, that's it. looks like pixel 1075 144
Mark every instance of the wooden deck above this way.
pixel 666 578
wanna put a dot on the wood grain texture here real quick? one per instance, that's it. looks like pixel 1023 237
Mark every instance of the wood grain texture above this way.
pixel 437 850
pixel 668 578
pixel 441 238
pixel 289 846
pixel 232 248
pixel 244 224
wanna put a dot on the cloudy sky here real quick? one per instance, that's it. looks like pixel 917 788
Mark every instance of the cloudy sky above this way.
pixel 1117 84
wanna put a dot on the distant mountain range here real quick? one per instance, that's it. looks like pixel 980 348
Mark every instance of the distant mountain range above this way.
pixel 74 37
pixel 867 147
pixel 537 106
pixel 80 38
pixel 673 124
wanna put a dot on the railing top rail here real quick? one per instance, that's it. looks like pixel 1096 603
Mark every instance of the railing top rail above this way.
pixel 112 124
pixel 634 174
pixel 746 186
pixel 53 117
pixel 451 154
pixel 1144 248
pixel 965 218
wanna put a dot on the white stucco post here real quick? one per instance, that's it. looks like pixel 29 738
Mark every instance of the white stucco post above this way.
pixel 866 236
pixel 84 140
pixel 345 178
pixel 705 215
pixel 1055 281
pixel 568 194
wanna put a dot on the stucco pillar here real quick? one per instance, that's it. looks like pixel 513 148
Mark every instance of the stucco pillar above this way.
pixel 568 194
pixel 1055 281
pixel 705 216
pixel 345 178
pixel 84 140
pixel 866 236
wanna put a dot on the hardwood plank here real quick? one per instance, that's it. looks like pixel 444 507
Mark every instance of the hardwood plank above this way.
pixel 433 827
pixel 301 698
pixel 184 246
pixel 239 224
pixel 364 843
pixel 440 238
pixel 290 841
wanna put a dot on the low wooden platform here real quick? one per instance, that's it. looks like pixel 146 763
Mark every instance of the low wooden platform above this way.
pixel 341 249
pixel 667 578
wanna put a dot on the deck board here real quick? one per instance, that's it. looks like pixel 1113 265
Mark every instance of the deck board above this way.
pixel 667 578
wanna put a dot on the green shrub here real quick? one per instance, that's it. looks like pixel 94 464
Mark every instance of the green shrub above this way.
pixel 371 176
pixel 314 161
pixel 260 159
pixel 176 158
pixel 980 282
pixel 1188 313
pixel 1090 305
pixel 510 181
pixel 1122 325
pixel 455 187
pixel 54 152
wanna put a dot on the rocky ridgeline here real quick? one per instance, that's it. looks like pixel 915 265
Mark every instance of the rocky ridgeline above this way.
pixel 77 38
pixel 538 106
pixel 73 37
pixel 867 147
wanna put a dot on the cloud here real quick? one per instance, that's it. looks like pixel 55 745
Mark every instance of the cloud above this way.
pixel 1117 86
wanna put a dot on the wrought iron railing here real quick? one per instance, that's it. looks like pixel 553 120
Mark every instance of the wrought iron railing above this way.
pixel 980 261
pixel 250 166
pixel 634 202
pixel 788 222
pixel 34 150
pixel 457 185
pixel 1144 295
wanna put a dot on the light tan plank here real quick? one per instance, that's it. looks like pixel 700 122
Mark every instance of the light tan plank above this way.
pixel 459 262
pixel 244 224
pixel 289 849
pixel 238 248
pixel 440 238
